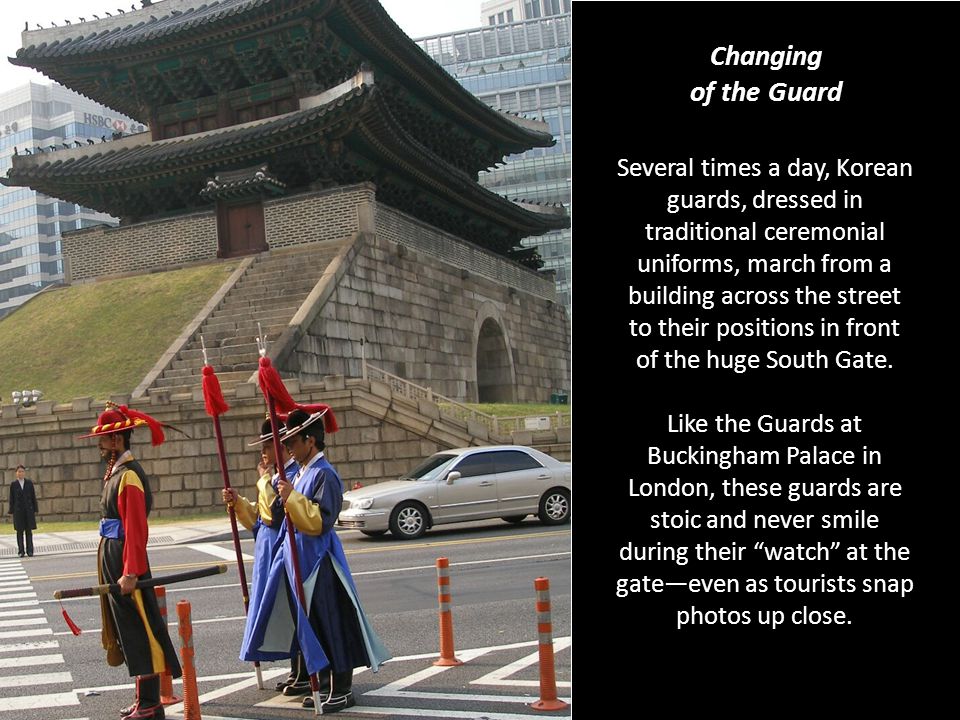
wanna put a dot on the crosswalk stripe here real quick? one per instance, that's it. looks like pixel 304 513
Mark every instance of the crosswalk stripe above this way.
pixel 23 621
pixel 35 702
pixel 18 603
pixel 17 596
pixel 17 613
pixel 33 632
pixel 56 659
pixel 217 551
pixel 20 647
pixel 13 583
pixel 11 681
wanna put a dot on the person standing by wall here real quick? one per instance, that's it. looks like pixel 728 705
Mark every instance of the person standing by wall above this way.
pixel 133 631
pixel 23 507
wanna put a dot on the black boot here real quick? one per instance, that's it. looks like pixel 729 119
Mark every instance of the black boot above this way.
pixel 338 697
pixel 148 705
pixel 294 673
pixel 301 682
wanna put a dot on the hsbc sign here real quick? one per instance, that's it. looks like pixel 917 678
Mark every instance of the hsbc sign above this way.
pixel 109 123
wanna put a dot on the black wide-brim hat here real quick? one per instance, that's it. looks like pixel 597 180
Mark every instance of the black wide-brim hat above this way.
pixel 303 420
pixel 266 433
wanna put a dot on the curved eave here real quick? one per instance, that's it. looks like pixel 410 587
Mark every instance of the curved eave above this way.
pixel 446 182
pixel 360 116
pixel 72 60
pixel 383 39
pixel 72 176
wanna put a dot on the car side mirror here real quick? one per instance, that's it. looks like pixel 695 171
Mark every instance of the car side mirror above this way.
pixel 453 477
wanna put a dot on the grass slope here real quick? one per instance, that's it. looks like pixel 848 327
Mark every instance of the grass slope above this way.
pixel 101 338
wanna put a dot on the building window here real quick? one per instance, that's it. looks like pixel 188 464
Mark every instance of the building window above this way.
pixel 492 19
pixel 510 15
pixel 551 7
pixel 531 8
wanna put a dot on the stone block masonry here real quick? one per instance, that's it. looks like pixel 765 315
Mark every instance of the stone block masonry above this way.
pixel 381 437
pixel 158 244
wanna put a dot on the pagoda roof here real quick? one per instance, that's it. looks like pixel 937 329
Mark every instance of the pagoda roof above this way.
pixel 349 139
pixel 189 49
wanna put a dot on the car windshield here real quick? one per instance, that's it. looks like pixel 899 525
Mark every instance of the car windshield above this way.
pixel 431 468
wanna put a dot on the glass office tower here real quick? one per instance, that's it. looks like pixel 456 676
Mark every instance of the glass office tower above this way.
pixel 523 67
pixel 44 118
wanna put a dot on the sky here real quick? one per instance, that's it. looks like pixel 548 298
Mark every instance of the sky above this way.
pixel 417 18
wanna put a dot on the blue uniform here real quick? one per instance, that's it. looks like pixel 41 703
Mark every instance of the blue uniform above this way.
pixel 335 632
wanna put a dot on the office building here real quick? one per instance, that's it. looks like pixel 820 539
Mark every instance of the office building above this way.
pixel 523 67
pixel 39 118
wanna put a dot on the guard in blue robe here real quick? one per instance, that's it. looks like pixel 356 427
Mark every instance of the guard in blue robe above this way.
pixel 331 629
pixel 264 519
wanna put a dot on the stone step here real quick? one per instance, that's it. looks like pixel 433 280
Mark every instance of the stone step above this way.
pixel 220 355
pixel 225 334
pixel 272 303
pixel 196 369
pixel 259 293
pixel 230 314
pixel 177 385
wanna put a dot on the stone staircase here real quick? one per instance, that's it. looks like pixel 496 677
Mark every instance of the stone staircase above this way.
pixel 269 293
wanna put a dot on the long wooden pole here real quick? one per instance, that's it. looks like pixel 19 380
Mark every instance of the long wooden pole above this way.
pixel 214 389
pixel 291 537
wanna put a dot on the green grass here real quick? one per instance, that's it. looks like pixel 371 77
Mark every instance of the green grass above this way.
pixel 517 409
pixel 102 338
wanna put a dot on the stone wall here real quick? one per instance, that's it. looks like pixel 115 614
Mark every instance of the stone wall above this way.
pixel 421 317
pixel 101 250
pixel 311 217
pixel 381 437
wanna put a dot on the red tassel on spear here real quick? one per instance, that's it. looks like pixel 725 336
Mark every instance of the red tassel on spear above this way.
pixel 215 406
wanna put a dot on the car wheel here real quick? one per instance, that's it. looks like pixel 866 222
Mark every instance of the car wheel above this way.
pixel 514 518
pixel 374 533
pixel 555 507
pixel 408 521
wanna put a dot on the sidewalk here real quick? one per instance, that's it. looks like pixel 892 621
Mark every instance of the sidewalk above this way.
pixel 209 530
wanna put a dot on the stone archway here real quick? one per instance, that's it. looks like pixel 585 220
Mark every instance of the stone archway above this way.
pixel 495 374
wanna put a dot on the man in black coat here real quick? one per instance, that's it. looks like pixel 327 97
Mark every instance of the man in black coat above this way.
pixel 23 507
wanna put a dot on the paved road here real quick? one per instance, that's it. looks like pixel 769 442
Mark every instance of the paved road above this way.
pixel 46 673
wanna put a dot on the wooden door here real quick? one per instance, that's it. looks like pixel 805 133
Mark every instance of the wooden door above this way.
pixel 240 229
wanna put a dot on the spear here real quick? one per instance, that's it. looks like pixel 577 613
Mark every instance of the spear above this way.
pixel 215 405
pixel 273 389
pixel 141 584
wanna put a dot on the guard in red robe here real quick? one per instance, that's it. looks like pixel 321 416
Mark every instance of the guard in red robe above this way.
pixel 133 632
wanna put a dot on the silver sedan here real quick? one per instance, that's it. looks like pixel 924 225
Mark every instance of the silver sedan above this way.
pixel 505 481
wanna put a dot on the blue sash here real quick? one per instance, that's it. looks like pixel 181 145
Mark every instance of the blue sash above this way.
pixel 111 528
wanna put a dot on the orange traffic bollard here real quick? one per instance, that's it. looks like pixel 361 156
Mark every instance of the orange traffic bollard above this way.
pixel 166 681
pixel 191 698
pixel 548 678
pixel 447 658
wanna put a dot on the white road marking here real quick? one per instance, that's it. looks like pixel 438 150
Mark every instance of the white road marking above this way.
pixel 35 702
pixel 20 647
pixel 38 679
pixel 130 686
pixel 17 596
pixel 19 603
pixel 499 676
pixel 33 632
pixel 31 660
pixel 13 585
pixel 230 689
pixel 28 611
pixel 217 551
pixel 23 621
pixel 435 713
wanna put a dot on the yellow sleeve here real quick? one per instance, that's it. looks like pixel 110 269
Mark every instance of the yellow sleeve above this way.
pixel 304 514
pixel 246 512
